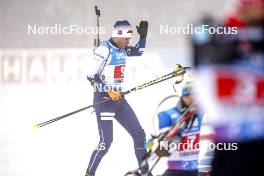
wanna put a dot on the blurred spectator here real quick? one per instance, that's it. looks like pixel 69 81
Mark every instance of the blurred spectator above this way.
pixel 230 85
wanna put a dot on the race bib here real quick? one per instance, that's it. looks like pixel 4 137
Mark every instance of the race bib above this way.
pixel 119 71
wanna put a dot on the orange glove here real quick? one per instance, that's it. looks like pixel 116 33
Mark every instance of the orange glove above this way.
pixel 114 95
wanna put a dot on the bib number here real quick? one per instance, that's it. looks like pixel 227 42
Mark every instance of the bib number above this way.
pixel 119 71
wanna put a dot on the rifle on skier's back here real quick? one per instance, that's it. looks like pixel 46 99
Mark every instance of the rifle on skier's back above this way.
pixel 98 14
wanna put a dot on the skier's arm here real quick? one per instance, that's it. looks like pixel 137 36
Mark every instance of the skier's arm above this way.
pixel 96 63
pixel 136 50
pixel 165 121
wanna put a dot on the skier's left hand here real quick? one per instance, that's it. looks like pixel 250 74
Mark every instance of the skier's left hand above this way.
pixel 142 29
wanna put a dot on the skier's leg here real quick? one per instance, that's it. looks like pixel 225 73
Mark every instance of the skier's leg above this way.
pixel 105 129
pixel 127 118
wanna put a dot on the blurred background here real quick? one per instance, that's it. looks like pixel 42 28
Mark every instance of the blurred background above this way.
pixel 44 76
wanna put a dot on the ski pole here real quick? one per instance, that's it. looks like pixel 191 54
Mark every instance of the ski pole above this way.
pixel 68 114
pixel 177 72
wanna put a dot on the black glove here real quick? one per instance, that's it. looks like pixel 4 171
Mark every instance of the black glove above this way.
pixel 142 29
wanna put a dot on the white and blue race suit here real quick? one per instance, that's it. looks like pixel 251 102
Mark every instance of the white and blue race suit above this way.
pixel 107 70
pixel 109 63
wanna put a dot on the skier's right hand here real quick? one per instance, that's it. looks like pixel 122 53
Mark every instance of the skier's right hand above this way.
pixel 114 95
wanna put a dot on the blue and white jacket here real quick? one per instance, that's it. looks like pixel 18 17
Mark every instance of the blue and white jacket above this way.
pixel 182 158
pixel 109 63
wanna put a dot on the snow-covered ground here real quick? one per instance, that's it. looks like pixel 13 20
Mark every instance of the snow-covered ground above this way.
pixel 64 147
